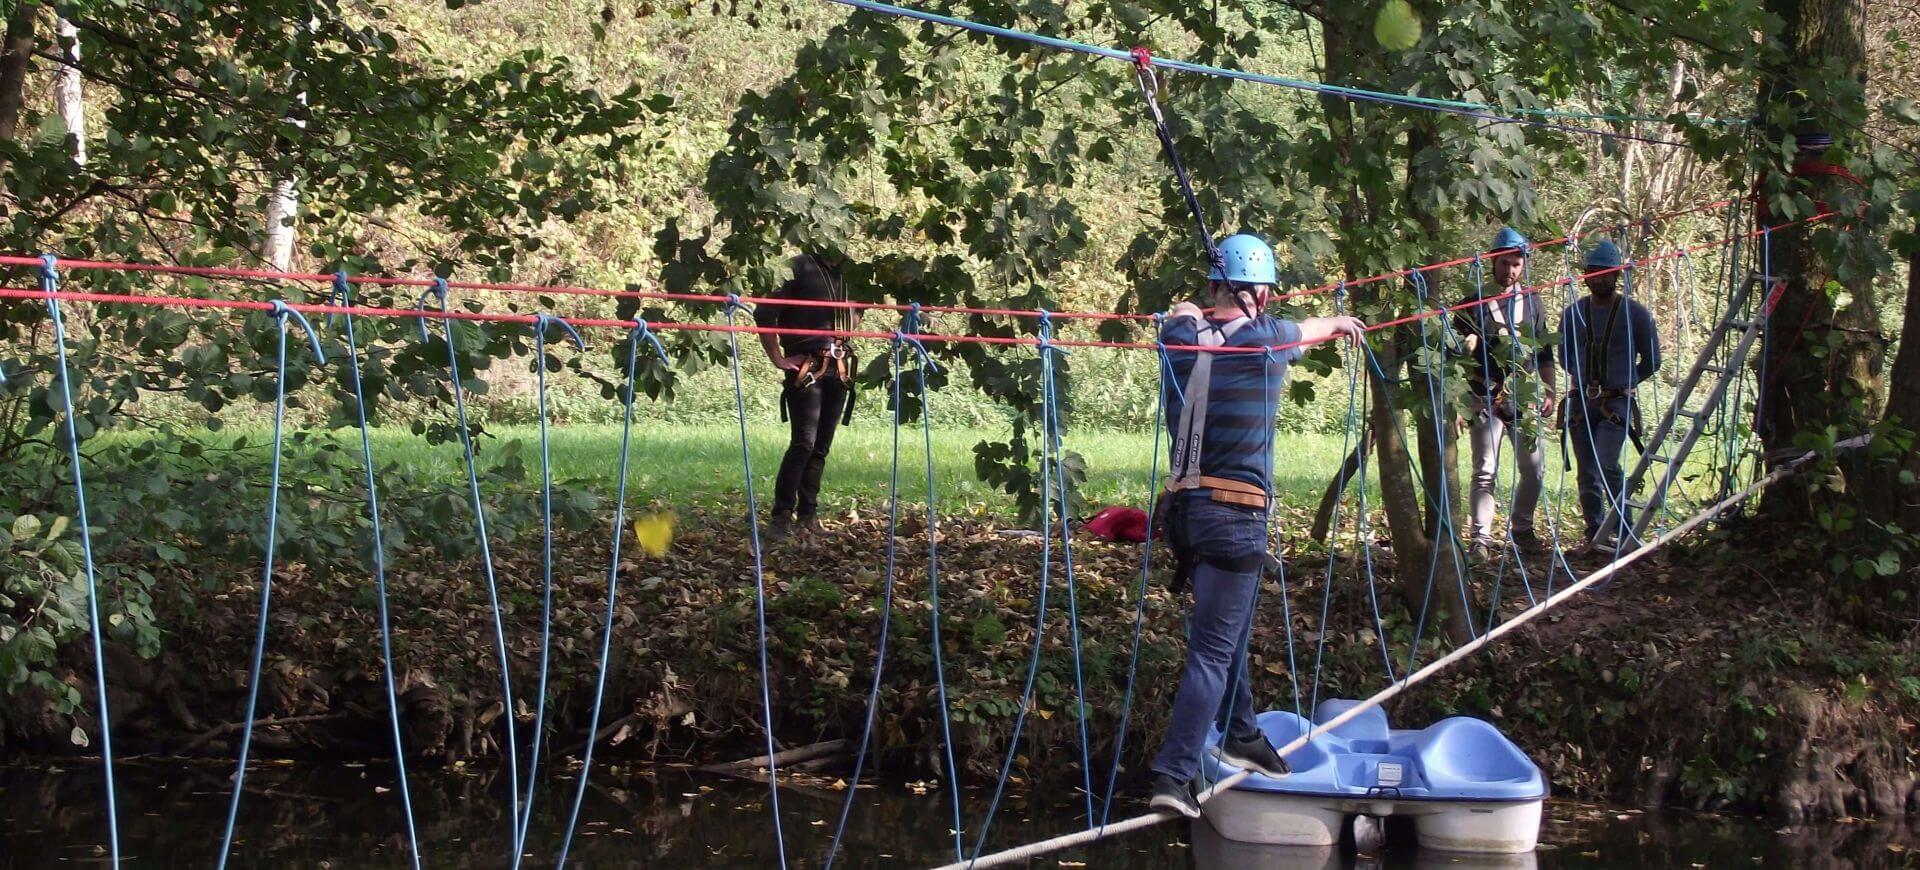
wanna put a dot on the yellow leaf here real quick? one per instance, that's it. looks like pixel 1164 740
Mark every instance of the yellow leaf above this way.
pixel 655 533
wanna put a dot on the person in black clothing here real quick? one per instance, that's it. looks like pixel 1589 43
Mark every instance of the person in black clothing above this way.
pixel 818 394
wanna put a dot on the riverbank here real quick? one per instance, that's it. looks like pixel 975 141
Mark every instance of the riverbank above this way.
pixel 1687 681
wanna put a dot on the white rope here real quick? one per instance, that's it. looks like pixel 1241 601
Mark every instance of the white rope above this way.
pixel 1031 850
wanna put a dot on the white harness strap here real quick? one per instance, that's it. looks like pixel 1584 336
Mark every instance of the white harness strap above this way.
pixel 1191 431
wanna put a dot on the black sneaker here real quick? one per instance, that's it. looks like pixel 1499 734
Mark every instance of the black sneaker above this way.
pixel 1173 796
pixel 1252 752
pixel 1528 542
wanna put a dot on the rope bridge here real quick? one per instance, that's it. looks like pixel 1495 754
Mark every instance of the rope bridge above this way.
pixel 909 353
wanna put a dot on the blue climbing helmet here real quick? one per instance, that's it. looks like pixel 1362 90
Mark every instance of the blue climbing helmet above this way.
pixel 1605 255
pixel 1249 260
pixel 1508 239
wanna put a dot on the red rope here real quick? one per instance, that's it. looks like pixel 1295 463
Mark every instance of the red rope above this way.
pixel 711 299
pixel 925 338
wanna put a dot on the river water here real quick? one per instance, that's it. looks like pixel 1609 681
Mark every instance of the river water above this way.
pixel 334 816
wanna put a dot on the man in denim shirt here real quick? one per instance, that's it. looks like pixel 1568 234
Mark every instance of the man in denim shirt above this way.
pixel 1222 407
pixel 1609 345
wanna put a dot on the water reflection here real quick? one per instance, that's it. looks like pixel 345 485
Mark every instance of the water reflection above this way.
pixel 339 816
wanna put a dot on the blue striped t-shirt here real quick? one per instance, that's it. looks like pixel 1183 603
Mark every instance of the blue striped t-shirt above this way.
pixel 1243 396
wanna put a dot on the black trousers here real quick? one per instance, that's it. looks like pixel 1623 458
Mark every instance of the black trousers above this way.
pixel 813 413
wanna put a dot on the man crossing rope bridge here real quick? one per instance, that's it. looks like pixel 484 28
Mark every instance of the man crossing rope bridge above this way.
pixel 1505 341
pixel 1219 495
pixel 1610 345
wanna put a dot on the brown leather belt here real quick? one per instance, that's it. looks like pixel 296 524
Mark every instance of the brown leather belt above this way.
pixel 1223 489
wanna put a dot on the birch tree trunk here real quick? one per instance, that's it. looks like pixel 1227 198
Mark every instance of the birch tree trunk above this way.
pixel 68 93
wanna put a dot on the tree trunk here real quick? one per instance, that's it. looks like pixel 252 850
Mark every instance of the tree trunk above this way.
pixel 16 54
pixel 1323 516
pixel 1823 350
pixel 68 92
pixel 1445 510
pixel 282 207
pixel 1894 500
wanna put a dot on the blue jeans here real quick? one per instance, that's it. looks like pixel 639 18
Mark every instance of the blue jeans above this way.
pixel 1597 442
pixel 1229 545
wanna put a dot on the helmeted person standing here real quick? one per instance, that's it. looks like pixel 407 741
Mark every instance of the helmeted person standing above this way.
pixel 1609 345
pixel 1222 407
pixel 817 396
pixel 1506 341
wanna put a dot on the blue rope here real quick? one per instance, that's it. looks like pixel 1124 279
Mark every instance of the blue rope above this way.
pixel 1333 534
pixel 541 323
pixel 640 333
pixel 343 296
pixel 1443 524
pixel 933 592
pixel 1479 111
pixel 1146 568
pixel 900 340
pixel 50 282
pixel 735 306
pixel 1363 532
pixel 1426 599
pixel 439 292
pixel 1056 446
pixel 1046 349
pixel 281 314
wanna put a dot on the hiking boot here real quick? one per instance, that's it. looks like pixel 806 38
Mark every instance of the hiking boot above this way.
pixel 780 527
pixel 1252 752
pixel 810 525
pixel 1482 552
pixel 1173 796
pixel 1528 542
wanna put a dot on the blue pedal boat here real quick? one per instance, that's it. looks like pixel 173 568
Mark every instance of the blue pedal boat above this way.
pixel 1466 786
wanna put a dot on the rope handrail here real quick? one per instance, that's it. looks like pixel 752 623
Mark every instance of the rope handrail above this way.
pixel 721 299
pixel 1090 835
pixel 927 338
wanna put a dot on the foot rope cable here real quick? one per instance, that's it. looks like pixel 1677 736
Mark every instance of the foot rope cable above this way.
pixel 50 284
pixel 641 333
pixel 734 308
pixel 283 316
pixel 343 296
pixel 508 710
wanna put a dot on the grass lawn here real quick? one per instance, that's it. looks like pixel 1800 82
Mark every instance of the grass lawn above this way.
pixel 698 464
